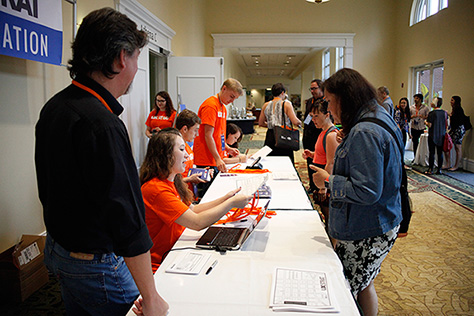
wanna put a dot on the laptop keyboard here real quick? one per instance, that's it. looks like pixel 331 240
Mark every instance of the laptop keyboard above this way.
pixel 227 237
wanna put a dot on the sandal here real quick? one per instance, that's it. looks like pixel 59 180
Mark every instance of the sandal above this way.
pixel 453 169
pixel 428 172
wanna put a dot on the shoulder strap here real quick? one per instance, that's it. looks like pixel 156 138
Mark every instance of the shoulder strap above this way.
pixel 387 128
pixel 283 114
pixel 325 135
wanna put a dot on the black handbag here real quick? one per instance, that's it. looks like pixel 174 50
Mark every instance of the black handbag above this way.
pixel 285 136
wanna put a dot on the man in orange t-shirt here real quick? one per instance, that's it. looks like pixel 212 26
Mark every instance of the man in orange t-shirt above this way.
pixel 210 143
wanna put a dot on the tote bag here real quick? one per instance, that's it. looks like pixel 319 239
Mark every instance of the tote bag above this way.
pixel 285 136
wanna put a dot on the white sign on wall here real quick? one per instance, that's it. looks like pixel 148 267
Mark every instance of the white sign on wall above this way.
pixel 32 29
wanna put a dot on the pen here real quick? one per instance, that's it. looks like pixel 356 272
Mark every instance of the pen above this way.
pixel 211 267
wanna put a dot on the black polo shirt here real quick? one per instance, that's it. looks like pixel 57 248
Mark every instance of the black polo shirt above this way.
pixel 87 177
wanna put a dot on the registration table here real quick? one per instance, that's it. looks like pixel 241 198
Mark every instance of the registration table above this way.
pixel 241 281
pixel 286 194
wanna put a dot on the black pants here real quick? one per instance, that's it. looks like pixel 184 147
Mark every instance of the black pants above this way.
pixel 416 134
pixel 432 146
pixel 312 186
pixel 203 187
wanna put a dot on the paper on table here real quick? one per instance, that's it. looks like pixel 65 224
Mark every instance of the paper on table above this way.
pixel 301 290
pixel 189 263
pixel 285 175
pixel 250 185
pixel 263 152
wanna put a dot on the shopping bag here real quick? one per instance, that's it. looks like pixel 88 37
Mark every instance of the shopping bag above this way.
pixel 447 143
pixel 286 138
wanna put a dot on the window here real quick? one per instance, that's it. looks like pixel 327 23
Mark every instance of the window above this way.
pixel 339 58
pixel 421 9
pixel 428 80
pixel 326 64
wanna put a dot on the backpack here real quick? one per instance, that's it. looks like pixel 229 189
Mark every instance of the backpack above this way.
pixel 405 198
pixel 467 123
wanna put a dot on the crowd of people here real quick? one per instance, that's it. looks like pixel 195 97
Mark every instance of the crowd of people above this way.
pixel 129 221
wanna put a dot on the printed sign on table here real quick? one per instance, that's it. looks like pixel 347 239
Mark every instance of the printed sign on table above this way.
pixel 32 29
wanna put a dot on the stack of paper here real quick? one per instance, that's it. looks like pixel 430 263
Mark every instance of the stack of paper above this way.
pixel 301 290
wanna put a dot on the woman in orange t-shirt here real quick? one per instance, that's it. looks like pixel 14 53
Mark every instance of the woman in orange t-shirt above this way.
pixel 167 198
pixel 324 150
pixel 232 138
pixel 162 116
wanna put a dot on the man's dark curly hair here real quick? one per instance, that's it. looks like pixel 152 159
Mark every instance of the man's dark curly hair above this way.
pixel 103 34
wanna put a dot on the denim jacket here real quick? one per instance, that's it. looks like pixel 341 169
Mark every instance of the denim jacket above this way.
pixel 365 185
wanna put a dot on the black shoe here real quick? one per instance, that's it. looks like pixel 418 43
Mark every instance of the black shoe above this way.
pixel 439 171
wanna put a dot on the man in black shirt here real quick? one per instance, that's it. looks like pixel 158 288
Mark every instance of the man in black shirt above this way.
pixel 310 132
pixel 87 178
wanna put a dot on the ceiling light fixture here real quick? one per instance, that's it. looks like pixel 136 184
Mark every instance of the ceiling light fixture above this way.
pixel 316 1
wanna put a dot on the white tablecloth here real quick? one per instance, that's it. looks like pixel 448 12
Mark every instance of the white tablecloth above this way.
pixel 422 153
pixel 240 284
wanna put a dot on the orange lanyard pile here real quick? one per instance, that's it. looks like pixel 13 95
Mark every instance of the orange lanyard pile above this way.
pixel 237 214
pixel 248 171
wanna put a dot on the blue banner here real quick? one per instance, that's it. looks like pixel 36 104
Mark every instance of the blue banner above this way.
pixel 25 39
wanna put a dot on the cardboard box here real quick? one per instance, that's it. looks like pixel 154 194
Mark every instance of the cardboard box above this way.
pixel 22 270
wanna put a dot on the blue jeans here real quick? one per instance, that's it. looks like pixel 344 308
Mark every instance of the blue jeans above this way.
pixel 101 285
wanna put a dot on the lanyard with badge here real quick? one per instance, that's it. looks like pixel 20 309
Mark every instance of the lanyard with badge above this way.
pixel 221 116
pixel 308 118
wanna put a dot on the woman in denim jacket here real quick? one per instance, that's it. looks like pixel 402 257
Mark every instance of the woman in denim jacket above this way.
pixel 365 207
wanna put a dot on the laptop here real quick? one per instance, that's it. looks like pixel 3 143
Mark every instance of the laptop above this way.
pixel 229 238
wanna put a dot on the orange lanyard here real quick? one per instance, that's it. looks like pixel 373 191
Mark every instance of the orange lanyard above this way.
pixel 237 214
pixel 95 94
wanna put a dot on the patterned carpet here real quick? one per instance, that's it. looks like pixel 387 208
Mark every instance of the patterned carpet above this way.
pixel 429 272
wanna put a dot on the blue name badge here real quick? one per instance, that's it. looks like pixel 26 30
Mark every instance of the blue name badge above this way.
pixel 307 120
pixel 223 142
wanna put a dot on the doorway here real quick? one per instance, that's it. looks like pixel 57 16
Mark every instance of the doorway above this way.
pixel 158 75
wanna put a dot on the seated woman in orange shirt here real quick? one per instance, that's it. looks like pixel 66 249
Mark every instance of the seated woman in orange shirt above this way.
pixel 167 198
pixel 162 116
pixel 233 137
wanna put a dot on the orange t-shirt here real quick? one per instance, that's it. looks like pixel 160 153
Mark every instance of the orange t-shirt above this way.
pixel 190 161
pixel 212 112
pixel 160 120
pixel 319 152
pixel 162 207
pixel 189 164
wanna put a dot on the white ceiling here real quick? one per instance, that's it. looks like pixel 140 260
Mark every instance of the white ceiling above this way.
pixel 273 62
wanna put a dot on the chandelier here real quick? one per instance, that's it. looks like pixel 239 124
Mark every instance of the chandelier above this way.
pixel 317 1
